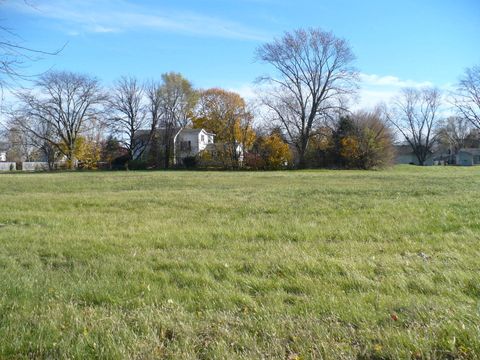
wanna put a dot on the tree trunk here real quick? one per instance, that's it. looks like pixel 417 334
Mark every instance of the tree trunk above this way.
pixel 167 157
pixel 302 164
pixel 70 160
pixel 153 153
pixel 421 160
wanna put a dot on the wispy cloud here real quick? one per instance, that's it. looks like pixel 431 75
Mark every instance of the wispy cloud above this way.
pixel 108 16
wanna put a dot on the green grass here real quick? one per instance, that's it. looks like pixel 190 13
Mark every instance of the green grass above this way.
pixel 227 265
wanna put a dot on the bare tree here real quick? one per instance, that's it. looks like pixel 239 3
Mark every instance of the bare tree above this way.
pixel 129 114
pixel 29 144
pixel 64 103
pixel 313 77
pixel 415 115
pixel 467 98
pixel 177 99
pixel 14 55
pixel 454 132
pixel 20 145
pixel 13 58
pixel 154 108
pixel 153 92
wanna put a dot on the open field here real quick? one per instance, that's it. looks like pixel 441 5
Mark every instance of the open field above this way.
pixel 276 265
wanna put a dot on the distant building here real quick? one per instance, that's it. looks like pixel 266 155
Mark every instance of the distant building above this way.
pixel 468 157
pixel 185 142
pixel 463 157
pixel 404 155
pixel 3 151
pixel 4 164
pixel 190 142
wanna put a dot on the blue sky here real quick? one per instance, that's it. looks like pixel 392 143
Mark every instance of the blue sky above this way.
pixel 212 42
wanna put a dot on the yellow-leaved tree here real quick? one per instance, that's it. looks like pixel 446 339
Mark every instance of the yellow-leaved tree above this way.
pixel 225 114
pixel 350 148
pixel 87 153
pixel 271 152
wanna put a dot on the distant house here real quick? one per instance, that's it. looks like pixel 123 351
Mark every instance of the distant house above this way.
pixel 405 155
pixel 3 151
pixel 190 142
pixel 4 165
pixel 468 157
pixel 185 142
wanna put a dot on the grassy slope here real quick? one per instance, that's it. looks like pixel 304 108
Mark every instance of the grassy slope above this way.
pixel 240 265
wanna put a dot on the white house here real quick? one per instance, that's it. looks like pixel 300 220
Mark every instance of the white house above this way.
pixel 184 142
pixel 190 142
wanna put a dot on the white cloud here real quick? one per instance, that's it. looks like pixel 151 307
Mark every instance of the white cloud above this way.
pixel 374 90
pixel 391 81
pixel 247 91
pixel 368 99
pixel 109 16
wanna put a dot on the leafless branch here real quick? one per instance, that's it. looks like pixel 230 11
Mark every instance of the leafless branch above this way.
pixel 467 97
pixel 414 113
pixel 313 76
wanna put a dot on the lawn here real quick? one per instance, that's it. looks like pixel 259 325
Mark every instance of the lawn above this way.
pixel 241 265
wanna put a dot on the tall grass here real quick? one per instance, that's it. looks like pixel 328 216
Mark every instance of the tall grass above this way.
pixel 217 265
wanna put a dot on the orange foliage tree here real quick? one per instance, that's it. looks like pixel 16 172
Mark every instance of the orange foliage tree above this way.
pixel 270 152
pixel 225 114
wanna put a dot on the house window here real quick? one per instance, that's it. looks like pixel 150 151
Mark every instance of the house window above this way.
pixel 202 138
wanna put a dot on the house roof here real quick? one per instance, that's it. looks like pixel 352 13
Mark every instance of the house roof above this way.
pixel 471 151
pixel 195 131
pixel 191 131
pixel 161 132
pixel 403 149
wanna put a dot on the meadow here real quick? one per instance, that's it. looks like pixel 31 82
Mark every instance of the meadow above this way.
pixel 318 264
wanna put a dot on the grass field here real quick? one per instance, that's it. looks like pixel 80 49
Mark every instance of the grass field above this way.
pixel 227 265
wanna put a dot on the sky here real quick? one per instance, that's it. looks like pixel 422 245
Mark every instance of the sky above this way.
pixel 212 42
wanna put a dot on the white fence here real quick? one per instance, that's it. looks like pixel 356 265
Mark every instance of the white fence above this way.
pixel 34 166
pixel 8 166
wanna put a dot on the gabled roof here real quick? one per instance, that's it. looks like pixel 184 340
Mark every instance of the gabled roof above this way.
pixel 161 132
pixel 195 131
pixel 191 131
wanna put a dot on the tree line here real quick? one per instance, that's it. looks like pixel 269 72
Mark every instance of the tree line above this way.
pixel 300 118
